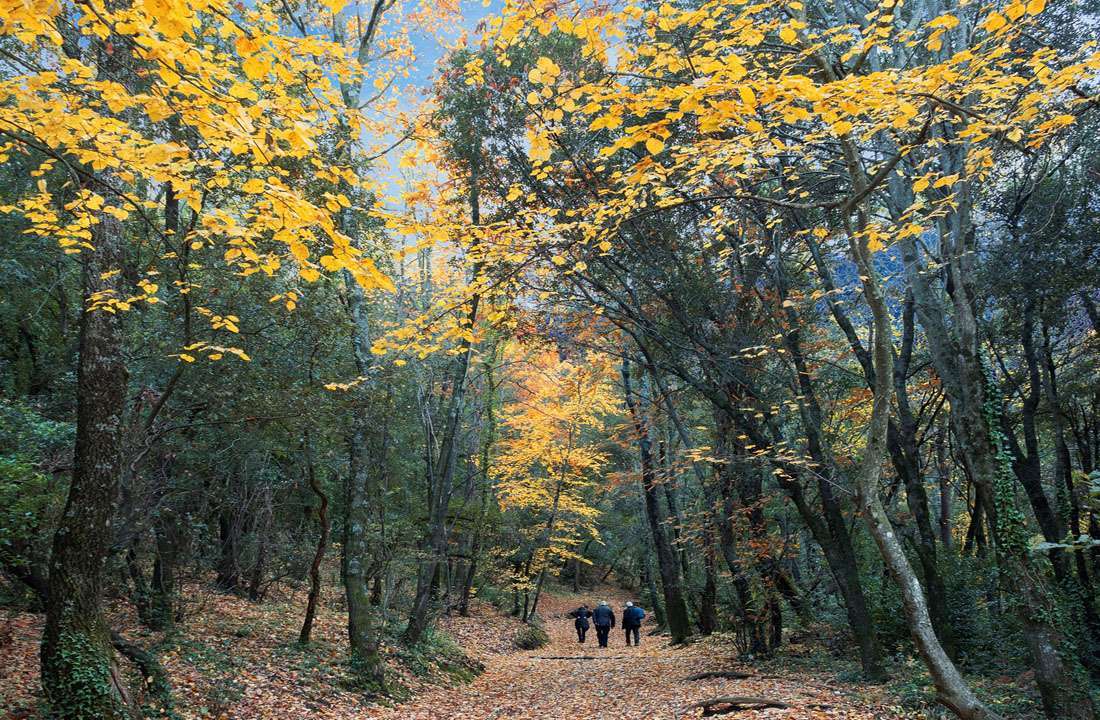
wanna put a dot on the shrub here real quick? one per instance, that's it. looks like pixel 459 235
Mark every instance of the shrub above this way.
pixel 531 637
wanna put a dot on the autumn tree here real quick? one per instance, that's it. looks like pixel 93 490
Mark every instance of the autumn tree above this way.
pixel 550 455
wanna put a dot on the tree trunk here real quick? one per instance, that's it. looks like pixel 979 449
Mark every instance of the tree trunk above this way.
pixel 363 636
pixel 722 508
pixel 322 544
pixel 79 674
pixel 944 476
pixel 229 572
pixel 952 689
pixel 139 595
pixel 679 624
pixel 708 605
pixel 516 574
pixel 654 595
pixel 256 575
pixel 163 585
pixel 901 440
pixel 535 600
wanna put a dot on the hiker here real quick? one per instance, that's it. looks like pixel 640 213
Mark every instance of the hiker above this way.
pixel 632 622
pixel 581 623
pixel 603 617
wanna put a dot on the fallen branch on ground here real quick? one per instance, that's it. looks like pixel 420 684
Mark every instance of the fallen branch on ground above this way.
pixel 572 657
pixel 724 674
pixel 734 703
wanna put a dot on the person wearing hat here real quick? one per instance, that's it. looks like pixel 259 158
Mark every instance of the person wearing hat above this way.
pixel 603 617
pixel 632 623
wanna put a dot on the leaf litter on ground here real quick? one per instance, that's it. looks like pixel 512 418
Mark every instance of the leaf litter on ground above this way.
pixel 235 659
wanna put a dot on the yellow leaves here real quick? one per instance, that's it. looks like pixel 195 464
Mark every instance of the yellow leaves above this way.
pixel 192 121
pixel 299 251
pixel 245 46
pixel 226 322
pixel 149 290
pixel 748 98
pixel 539 147
pixel 788 35
pixel 254 68
pixel 994 22
pixel 946 21
pixel 1035 7
pixel 474 71
pixel 157 109
pixel 333 386
pixel 550 450
pixel 909 230
pixel 874 237
pixel 654 146
pixel 243 91
pixel 544 72
pixel 369 277
pixel 940 25
pixel 906 112
pixel 558 260
pixel 212 351
pixel 610 121
pixel 923 183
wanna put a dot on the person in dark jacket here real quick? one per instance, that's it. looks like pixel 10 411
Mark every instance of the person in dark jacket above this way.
pixel 581 622
pixel 603 617
pixel 632 623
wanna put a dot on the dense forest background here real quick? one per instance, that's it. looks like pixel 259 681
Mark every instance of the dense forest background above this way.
pixel 782 317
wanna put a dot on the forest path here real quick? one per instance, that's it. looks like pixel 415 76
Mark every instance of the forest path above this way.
pixel 635 683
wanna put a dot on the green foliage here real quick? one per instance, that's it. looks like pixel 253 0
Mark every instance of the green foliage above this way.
pixel 1011 524
pixel 28 500
pixel 531 637
pixel 912 689
pixel 26 432
pixel 83 688
pixel 438 657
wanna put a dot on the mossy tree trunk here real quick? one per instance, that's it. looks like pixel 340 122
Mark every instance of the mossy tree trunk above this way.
pixel 79 675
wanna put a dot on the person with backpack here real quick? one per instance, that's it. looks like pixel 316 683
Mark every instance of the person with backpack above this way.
pixel 581 622
pixel 603 617
pixel 632 623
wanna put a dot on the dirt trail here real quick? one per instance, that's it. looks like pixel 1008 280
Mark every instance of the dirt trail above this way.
pixel 622 683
